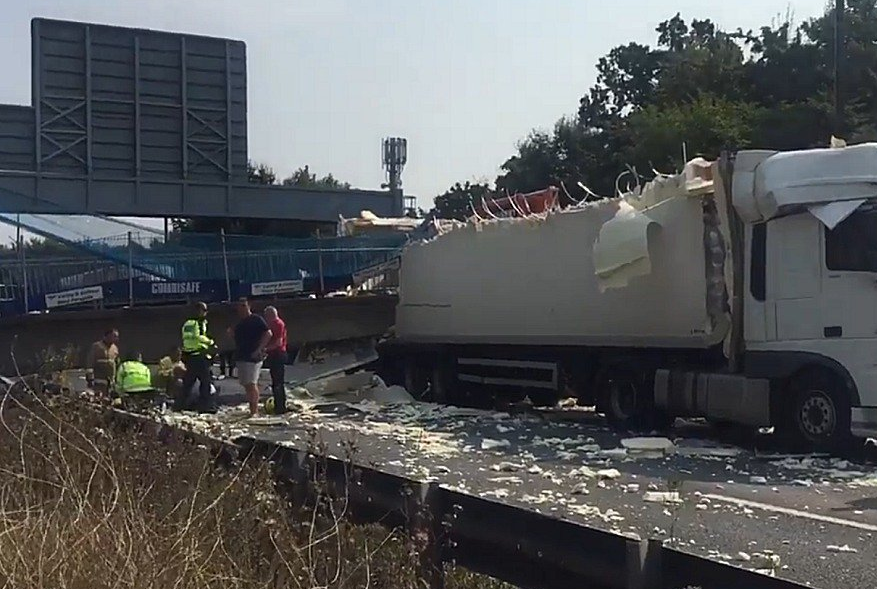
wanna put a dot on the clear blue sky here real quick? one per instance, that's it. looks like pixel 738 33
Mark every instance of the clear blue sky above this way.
pixel 462 80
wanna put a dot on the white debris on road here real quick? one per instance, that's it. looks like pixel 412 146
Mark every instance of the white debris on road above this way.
pixel 704 450
pixel 650 447
pixel 509 480
pixel 583 472
pixel 608 474
pixel 580 489
pixel 662 497
pixel 490 444
pixel 845 549
pixel 507 467
pixel 497 493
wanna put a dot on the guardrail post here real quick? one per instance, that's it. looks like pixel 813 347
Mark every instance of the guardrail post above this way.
pixel 294 474
pixel 425 517
pixel 644 564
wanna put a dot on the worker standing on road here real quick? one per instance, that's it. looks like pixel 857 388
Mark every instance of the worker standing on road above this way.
pixel 251 335
pixel 197 348
pixel 226 354
pixel 276 357
pixel 100 365
pixel 133 375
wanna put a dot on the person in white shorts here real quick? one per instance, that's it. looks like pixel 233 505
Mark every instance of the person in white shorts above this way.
pixel 251 335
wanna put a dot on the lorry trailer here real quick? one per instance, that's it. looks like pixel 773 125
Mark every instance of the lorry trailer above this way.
pixel 742 290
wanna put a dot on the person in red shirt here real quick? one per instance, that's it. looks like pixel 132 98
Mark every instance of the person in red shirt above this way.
pixel 276 359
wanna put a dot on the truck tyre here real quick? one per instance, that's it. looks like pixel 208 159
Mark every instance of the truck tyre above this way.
pixel 416 378
pixel 443 385
pixel 818 412
pixel 620 398
pixel 543 397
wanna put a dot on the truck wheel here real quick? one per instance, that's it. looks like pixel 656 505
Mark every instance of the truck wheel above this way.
pixel 818 414
pixel 444 385
pixel 543 397
pixel 416 378
pixel 620 399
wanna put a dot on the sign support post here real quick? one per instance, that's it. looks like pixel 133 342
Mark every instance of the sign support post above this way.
pixel 225 265
pixel 130 272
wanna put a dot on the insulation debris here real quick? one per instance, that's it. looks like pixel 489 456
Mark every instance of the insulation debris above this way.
pixel 507 467
pixel 608 474
pixel 621 252
pixel 489 444
pixel 653 447
pixel 662 497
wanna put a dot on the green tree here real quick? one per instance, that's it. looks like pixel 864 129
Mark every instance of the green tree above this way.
pixel 709 89
pixel 458 200
pixel 260 174
pixel 303 178
pixel 263 174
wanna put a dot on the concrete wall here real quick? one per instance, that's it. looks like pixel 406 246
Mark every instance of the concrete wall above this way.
pixel 155 330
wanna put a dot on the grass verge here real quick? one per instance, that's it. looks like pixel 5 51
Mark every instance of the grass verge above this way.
pixel 87 504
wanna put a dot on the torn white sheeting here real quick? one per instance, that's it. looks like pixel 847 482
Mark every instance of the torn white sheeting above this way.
pixel 621 251
pixel 793 181
pixel 833 213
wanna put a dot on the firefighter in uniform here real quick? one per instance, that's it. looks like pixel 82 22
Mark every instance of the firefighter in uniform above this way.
pixel 103 357
pixel 197 348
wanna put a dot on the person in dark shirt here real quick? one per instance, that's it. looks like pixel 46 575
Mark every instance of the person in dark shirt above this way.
pixel 251 335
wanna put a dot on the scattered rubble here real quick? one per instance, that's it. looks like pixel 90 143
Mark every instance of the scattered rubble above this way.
pixel 509 480
pixel 662 497
pixel 580 489
pixel 507 467
pixel 489 444
pixel 497 493
pixel 648 447
pixel 583 472
pixel 608 474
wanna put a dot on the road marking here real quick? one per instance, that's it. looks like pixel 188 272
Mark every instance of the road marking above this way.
pixel 794 512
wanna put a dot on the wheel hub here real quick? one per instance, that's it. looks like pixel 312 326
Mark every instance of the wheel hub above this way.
pixel 817 415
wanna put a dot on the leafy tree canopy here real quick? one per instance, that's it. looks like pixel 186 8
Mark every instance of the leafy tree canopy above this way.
pixel 698 90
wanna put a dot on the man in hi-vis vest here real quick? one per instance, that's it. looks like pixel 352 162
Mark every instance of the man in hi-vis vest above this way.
pixel 134 376
pixel 197 349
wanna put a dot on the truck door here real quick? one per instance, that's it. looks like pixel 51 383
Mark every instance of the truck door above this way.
pixel 794 272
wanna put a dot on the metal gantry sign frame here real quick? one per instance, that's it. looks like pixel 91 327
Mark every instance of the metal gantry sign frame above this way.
pixel 145 123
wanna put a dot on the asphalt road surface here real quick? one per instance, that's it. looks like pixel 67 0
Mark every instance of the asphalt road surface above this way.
pixel 810 519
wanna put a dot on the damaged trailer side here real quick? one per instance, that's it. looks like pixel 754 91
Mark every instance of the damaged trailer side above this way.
pixel 700 294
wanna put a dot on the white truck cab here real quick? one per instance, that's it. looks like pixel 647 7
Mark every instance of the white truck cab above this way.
pixel 811 281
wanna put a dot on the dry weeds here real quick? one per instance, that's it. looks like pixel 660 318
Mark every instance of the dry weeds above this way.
pixel 85 504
